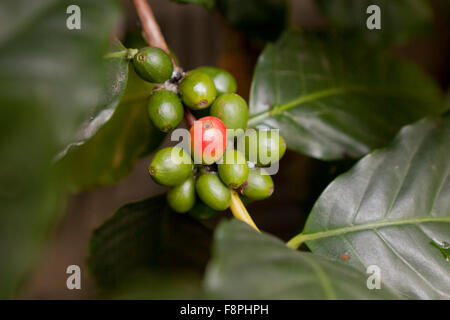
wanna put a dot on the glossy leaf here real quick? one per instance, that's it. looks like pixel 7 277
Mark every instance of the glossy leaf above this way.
pixel 49 81
pixel 110 154
pixel 400 20
pixel 333 98
pixel 143 237
pixel 392 210
pixel 251 265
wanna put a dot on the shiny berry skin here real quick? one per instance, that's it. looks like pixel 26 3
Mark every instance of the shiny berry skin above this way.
pixel 223 80
pixel 181 198
pixel 231 109
pixel 265 147
pixel 234 169
pixel 170 166
pixel 153 64
pixel 197 90
pixel 258 186
pixel 208 140
pixel 213 192
pixel 165 110
pixel 202 212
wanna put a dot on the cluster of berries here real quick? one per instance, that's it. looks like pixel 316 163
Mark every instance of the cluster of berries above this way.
pixel 215 166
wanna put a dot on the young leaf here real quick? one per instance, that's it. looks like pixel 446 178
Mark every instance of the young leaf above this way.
pixel 49 79
pixel 400 20
pixel 392 210
pixel 251 265
pixel 332 98
pixel 127 136
pixel 146 236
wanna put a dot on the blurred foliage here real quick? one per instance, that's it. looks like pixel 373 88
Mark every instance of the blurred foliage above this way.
pixel 401 20
pixel 146 236
pixel 332 97
pixel 51 80
pixel 160 286
pixel 260 19
pixel 126 136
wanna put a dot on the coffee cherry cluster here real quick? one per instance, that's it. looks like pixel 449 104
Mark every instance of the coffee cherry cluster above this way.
pixel 200 182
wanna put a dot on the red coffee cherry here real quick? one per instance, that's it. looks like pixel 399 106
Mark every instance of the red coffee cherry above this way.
pixel 208 140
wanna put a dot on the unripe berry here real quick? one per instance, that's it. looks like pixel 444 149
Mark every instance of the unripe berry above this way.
pixel 181 198
pixel 153 64
pixel 170 166
pixel 197 90
pixel 223 80
pixel 258 186
pixel 231 109
pixel 234 169
pixel 208 140
pixel 165 110
pixel 264 147
pixel 201 211
pixel 213 192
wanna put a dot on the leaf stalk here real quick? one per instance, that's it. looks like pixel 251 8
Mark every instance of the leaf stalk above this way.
pixel 239 211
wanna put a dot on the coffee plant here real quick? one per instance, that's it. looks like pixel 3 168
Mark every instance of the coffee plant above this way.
pixel 85 108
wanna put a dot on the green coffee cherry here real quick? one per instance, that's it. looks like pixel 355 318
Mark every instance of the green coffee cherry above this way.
pixel 153 64
pixel 231 109
pixel 258 186
pixel 265 147
pixel 201 211
pixel 223 80
pixel 165 110
pixel 197 90
pixel 181 198
pixel 213 192
pixel 170 166
pixel 234 169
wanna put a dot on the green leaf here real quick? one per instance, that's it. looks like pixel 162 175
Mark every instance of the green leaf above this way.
pixel 262 19
pixel 126 136
pixel 208 4
pixel 251 265
pixel 160 286
pixel 401 20
pixel 147 237
pixel 332 98
pixel 391 210
pixel 49 81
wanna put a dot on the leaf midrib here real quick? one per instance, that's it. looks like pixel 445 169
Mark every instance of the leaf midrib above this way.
pixel 302 237
pixel 296 102
pixel 277 109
